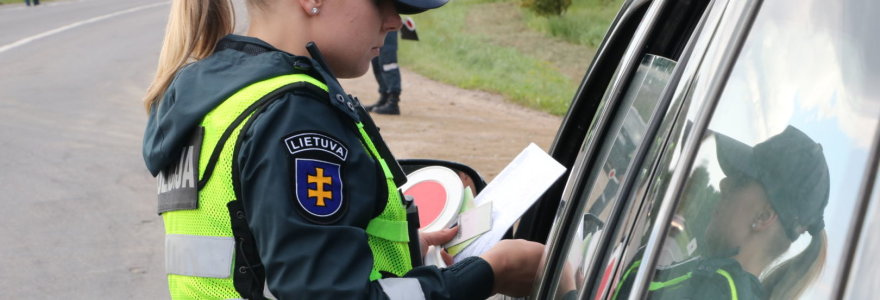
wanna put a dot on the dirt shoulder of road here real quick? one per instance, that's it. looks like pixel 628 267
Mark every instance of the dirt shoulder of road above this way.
pixel 440 121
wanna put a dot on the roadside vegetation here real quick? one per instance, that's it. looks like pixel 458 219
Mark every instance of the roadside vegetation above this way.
pixel 500 46
pixel 585 22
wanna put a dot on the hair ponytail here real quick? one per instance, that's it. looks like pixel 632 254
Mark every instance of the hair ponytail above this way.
pixel 789 279
pixel 194 28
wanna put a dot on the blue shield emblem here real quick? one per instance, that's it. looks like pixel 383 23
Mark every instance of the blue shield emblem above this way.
pixel 318 187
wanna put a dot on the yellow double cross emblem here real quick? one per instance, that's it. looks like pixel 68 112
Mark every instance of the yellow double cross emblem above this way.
pixel 319 193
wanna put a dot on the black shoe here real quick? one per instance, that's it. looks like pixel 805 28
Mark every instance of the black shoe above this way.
pixel 390 108
pixel 383 98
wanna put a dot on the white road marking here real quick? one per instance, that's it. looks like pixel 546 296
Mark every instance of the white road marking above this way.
pixel 32 38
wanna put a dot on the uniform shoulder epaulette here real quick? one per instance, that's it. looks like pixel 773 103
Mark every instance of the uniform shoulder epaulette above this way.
pixel 343 101
pixel 337 96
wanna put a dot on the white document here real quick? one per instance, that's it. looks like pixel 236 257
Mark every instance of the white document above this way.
pixel 512 192
pixel 472 223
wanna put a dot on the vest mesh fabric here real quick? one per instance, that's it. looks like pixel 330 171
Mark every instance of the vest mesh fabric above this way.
pixel 389 256
pixel 212 216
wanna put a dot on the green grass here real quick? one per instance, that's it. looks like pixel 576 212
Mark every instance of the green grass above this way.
pixel 584 23
pixel 496 46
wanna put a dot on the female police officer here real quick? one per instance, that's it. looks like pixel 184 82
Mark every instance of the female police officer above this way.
pixel 270 173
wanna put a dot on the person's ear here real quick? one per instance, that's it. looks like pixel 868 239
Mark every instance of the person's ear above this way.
pixel 764 218
pixel 311 7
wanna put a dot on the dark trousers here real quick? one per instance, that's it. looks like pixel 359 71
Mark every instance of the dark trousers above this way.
pixel 385 66
pixel 28 2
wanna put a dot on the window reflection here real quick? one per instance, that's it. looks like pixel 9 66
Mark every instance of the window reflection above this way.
pixel 627 134
pixel 727 235
pixel 819 96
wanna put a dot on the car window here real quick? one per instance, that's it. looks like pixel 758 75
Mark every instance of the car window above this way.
pixel 640 16
pixel 656 169
pixel 864 276
pixel 767 208
pixel 579 123
pixel 612 157
pixel 598 199
pixel 711 46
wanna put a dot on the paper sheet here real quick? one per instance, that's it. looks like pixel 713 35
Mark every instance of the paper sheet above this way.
pixel 512 192
pixel 472 223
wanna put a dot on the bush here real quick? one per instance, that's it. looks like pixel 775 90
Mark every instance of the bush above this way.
pixel 547 7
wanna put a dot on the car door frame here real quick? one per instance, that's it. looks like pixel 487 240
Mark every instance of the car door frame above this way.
pixel 599 126
pixel 536 223
pixel 744 15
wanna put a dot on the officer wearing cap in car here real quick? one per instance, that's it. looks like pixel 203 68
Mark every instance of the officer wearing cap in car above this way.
pixel 273 182
pixel 772 194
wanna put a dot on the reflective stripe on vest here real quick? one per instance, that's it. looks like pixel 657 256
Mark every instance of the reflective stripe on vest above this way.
pixel 201 256
pixel 656 285
pixel 402 288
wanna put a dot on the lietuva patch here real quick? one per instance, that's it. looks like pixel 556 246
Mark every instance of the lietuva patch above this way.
pixel 317 161
pixel 315 141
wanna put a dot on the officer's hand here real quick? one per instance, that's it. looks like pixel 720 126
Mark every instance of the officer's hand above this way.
pixel 515 264
pixel 437 238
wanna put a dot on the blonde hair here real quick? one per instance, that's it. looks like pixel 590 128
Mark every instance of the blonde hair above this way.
pixel 194 28
pixel 789 279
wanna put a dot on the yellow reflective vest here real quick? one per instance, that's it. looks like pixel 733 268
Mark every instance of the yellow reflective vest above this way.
pixel 208 249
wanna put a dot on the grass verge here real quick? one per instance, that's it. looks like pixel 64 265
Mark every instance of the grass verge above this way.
pixel 458 46
pixel 499 47
pixel 584 23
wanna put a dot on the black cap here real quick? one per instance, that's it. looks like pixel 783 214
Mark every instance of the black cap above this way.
pixel 409 7
pixel 793 171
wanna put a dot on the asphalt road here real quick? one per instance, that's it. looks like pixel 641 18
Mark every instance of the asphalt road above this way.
pixel 78 218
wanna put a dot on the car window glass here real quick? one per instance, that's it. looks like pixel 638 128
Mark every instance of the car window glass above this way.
pixel 626 134
pixel 864 275
pixel 766 210
pixel 690 94
pixel 656 169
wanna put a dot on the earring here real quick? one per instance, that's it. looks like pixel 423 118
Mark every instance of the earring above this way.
pixel 314 11
pixel 754 226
